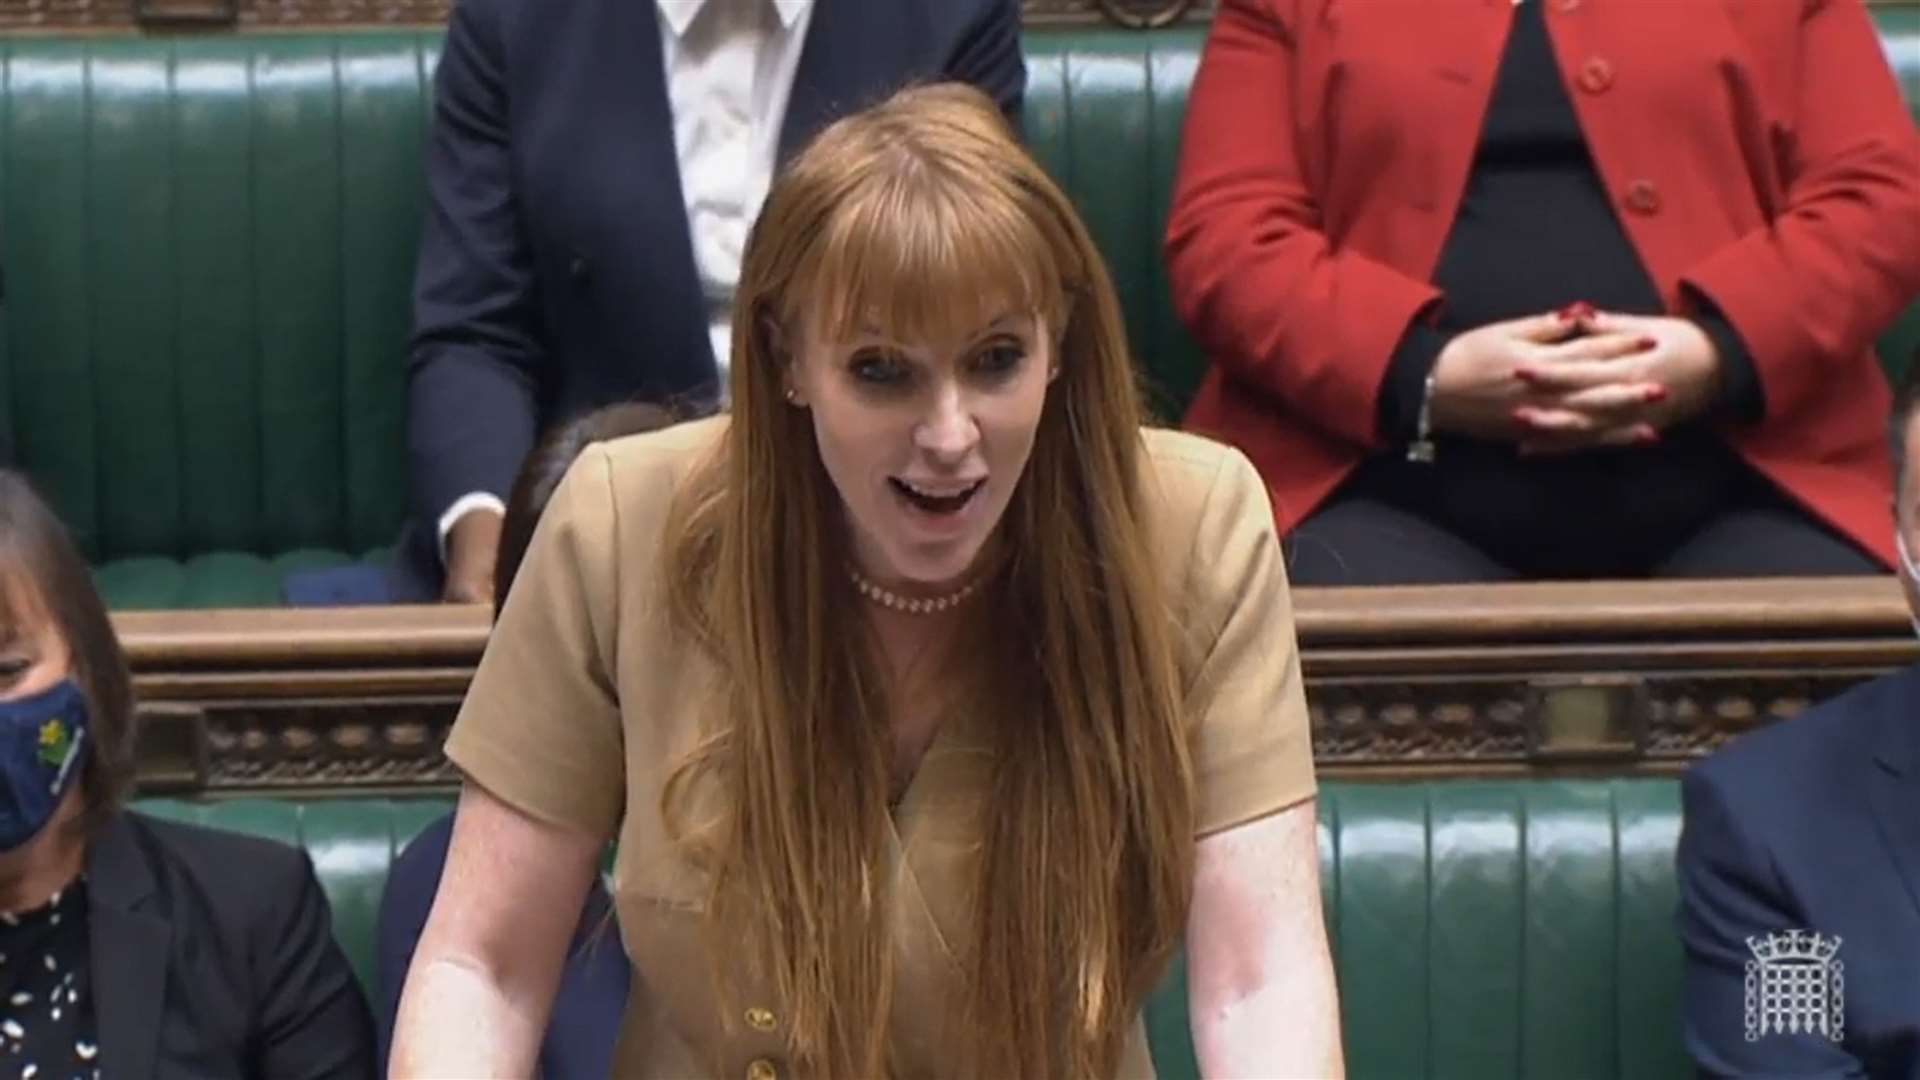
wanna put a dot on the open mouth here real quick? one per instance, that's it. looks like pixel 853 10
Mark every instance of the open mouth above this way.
pixel 937 500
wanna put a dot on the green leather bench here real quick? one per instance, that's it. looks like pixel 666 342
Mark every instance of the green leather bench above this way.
pixel 208 245
pixel 1481 929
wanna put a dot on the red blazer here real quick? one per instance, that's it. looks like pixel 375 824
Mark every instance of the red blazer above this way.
pixel 1758 151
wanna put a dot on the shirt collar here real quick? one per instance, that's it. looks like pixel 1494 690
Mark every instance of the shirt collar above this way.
pixel 679 14
pixel 790 11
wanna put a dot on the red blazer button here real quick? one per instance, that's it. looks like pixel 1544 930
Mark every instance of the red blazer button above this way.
pixel 1643 197
pixel 1596 75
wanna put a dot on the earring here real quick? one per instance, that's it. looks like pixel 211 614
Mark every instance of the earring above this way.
pixel 791 396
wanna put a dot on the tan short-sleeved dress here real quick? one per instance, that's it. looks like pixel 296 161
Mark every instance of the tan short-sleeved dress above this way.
pixel 582 704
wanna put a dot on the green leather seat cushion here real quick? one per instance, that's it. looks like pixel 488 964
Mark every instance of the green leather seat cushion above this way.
pixel 214 579
pixel 1481 929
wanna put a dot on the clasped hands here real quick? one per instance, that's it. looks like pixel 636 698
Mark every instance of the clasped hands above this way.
pixel 1574 379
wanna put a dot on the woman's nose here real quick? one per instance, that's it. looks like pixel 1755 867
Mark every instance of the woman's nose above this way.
pixel 948 431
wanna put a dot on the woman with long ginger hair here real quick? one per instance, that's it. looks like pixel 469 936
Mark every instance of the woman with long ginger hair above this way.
pixel 930 698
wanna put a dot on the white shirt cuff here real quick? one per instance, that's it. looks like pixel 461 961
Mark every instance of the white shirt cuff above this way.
pixel 472 500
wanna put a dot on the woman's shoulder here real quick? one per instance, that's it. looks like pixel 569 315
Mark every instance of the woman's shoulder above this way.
pixel 652 464
pixel 635 477
pixel 204 852
pixel 1207 505
pixel 1187 473
pixel 189 867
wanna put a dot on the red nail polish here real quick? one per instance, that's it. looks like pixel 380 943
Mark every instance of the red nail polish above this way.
pixel 1523 416
pixel 1579 309
pixel 1645 343
pixel 1656 393
pixel 1526 375
pixel 1646 437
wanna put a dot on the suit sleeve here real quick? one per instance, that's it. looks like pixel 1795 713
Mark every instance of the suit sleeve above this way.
pixel 988 55
pixel 313 1022
pixel 1253 276
pixel 477 346
pixel 1729 892
pixel 1832 270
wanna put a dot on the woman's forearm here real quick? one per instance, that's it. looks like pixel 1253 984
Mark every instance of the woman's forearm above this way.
pixel 1287 1028
pixel 456 1021
pixel 1262 996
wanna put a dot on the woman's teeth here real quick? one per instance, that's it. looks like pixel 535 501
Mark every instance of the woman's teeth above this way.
pixel 935 501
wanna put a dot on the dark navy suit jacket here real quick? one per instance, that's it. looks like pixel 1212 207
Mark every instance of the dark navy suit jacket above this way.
pixel 556 268
pixel 1811 824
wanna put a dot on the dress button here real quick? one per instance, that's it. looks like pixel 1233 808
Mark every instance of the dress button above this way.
pixel 1596 75
pixel 762 1069
pixel 760 1019
pixel 1643 197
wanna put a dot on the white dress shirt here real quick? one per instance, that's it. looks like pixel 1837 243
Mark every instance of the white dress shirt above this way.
pixel 729 66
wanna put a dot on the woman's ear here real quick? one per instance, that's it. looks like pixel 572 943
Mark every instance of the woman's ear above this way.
pixel 774 346
pixel 1058 336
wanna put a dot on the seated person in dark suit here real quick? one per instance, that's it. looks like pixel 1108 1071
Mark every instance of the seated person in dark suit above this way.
pixel 1812 827
pixel 593 986
pixel 593 169
pixel 129 946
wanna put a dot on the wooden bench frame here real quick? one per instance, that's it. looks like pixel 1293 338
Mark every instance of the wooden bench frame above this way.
pixel 1540 679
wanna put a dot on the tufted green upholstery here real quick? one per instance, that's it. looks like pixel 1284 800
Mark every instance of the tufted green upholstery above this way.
pixel 208 243
pixel 1482 929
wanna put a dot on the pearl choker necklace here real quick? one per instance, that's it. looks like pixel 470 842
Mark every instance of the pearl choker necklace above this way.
pixel 887 598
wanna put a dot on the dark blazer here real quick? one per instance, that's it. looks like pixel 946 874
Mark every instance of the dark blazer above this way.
pixel 1811 824
pixel 213 957
pixel 556 269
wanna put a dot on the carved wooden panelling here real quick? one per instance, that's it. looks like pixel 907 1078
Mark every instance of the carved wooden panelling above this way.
pixel 1370 730
pixel 1513 680
pixel 99 14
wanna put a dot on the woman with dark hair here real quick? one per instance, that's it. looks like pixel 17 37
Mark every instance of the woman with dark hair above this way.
pixel 934 702
pixel 132 946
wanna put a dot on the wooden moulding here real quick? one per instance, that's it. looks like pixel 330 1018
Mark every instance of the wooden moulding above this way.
pixel 174 15
pixel 62 16
pixel 1402 683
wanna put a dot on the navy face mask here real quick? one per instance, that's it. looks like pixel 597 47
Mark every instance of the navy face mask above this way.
pixel 42 744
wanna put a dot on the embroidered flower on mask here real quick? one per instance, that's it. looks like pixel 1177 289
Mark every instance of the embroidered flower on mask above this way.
pixel 54 740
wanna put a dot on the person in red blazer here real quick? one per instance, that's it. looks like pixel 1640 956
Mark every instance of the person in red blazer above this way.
pixel 1551 288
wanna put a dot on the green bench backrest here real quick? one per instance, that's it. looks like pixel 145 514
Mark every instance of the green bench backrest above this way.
pixel 208 245
pixel 1481 929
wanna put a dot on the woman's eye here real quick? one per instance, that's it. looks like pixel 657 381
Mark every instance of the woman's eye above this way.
pixel 12 668
pixel 878 369
pixel 1001 360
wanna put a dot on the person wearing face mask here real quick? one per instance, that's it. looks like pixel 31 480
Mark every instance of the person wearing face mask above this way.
pixel 1813 825
pixel 933 701
pixel 129 946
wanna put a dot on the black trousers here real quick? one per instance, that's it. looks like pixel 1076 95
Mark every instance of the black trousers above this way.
pixel 1687 508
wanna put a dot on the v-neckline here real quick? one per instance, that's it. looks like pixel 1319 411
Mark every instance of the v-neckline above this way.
pixel 922 848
